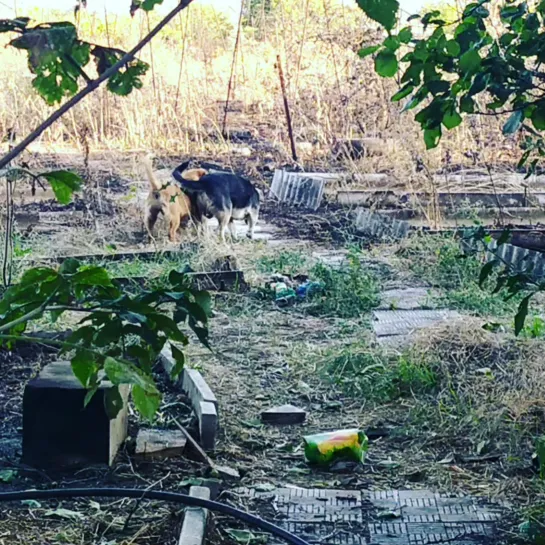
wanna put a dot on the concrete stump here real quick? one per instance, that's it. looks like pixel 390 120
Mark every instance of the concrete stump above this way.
pixel 58 431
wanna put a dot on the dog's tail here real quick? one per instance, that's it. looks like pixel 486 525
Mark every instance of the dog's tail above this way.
pixel 148 165
pixel 188 181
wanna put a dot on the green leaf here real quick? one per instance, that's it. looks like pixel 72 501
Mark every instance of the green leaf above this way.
pixel 179 357
pixel 13 25
pixel 386 64
pixel 452 119
pixel 406 90
pixel 383 12
pixel 126 373
pixel 203 299
pixel 513 123
pixel 538 117
pixel 7 475
pixel 37 275
pixel 432 137
pixel 467 105
pixel 148 5
pixel 453 48
pixel 369 50
pixel 504 237
pixel 91 275
pixel 63 183
pixel 113 402
pixel 470 61
pixel 486 271
pixel 405 35
pixel 147 403
pixel 522 313
pixel 391 43
pixel 89 395
pixel 246 537
pixel 84 366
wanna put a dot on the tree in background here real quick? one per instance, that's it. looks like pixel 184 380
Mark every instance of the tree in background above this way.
pixel 487 61
pixel 479 55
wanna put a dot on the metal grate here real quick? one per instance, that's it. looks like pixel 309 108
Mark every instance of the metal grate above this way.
pixel 348 517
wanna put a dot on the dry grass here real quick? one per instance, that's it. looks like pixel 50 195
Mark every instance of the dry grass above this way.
pixel 334 95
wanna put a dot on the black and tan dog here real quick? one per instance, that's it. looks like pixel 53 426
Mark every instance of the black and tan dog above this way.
pixel 222 195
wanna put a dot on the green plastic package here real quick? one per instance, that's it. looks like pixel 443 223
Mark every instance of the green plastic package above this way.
pixel 325 448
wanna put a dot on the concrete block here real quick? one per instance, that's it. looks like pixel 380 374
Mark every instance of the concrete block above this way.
pixel 195 518
pixel 284 415
pixel 197 389
pixel 58 431
pixel 159 444
pixel 208 424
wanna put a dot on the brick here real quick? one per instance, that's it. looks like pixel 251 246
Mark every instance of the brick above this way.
pixel 195 518
pixel 208 424
pixel 58 431
pixel 159 444
pixel 284 415
pixel 196 388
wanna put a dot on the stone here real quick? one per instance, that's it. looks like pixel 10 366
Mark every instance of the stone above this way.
pixel 58 431
pixel 195 518
pixel 208 424
pixel 196 388
pixel 284 415
pixel 160 444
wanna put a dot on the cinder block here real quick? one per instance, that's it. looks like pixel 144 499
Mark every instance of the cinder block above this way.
pixel 58 431
pixel 196 388
pixel 194 525
pixel 208 424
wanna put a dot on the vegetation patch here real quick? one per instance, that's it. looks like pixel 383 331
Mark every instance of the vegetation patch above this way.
pixel 438 260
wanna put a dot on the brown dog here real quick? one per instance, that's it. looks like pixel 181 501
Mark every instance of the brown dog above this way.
pixel 168 200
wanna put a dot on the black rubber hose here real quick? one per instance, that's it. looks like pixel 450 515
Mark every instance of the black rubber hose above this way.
pixel 173 497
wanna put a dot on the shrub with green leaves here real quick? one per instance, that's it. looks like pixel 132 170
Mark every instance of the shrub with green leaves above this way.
pixel 347 292
pixel 438 260
pixel 444 73
pixel 119 336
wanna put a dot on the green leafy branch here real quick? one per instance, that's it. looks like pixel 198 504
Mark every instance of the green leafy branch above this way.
pixel 508 277
pixel 57 58
pixel 63 182
pixel 442 74
pixel 119 336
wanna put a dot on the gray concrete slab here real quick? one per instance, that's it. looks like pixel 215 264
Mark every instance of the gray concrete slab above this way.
pixel 387 323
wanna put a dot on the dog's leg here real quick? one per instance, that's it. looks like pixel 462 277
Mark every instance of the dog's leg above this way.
pixel 150 220
pixel 251 220
pixel 233 230
pixel 175 221
pixel 223 220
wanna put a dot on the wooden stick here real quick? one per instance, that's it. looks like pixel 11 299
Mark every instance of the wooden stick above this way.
pixel 286 108
pixel 233 64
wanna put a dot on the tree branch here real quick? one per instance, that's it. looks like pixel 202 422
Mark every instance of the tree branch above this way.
pixel 91 86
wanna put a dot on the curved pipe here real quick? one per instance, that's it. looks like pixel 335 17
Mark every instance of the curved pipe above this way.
pixel 173 497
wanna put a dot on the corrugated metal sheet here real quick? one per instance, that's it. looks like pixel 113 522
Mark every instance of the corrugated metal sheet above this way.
pixel 299 188
pixel 380 226
pixel 522 261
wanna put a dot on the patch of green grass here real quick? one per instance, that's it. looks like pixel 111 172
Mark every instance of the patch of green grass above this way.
pixel 376 376
pixel 286 262
pixel 437 260
pixel 348 292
